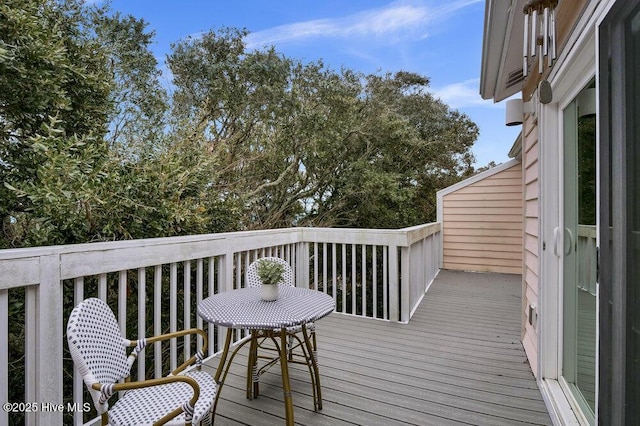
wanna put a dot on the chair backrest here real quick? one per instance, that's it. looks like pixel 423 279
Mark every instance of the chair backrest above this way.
pixel 252 273
pixel 97 346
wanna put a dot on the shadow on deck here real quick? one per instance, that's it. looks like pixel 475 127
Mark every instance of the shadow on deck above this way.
pixel 459 361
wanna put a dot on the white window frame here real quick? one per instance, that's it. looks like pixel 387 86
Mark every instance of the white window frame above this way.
pixel 575 67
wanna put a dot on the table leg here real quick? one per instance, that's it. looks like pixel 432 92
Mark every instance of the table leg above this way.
pixel 286 384
pixel 252 367
pixel 225 364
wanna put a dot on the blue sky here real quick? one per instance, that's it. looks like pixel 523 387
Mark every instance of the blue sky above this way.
pixel 440 39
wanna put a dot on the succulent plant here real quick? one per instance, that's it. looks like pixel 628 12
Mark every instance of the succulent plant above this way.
pixel 270 272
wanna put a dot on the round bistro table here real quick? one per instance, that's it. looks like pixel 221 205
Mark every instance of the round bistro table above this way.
pixel 244 309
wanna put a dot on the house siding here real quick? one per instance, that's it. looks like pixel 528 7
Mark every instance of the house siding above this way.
pixel 530 239
pixel 482 223
pixel 567 16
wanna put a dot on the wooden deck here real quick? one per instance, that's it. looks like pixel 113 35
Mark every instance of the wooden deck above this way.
pixel 459 361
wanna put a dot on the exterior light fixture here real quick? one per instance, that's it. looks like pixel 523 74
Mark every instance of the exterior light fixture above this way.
pixel 516 108
pixel 539 34
pixel 514 112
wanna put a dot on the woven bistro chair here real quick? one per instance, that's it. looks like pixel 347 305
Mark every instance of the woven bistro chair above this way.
pixel 99 353
pixel 296 346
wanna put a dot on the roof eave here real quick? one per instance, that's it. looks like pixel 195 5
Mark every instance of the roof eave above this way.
pixel 501 49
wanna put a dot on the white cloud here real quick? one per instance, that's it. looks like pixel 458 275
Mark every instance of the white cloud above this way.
pixel 400 20
pixel 463 94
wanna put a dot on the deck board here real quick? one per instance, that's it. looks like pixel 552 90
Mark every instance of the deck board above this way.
pixel 458 361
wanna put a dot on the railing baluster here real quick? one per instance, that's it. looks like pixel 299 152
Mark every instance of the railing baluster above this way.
pixel 122 302
pixel 225 282
pixel 238 270
pixel 247 262
pixel 374 278
pixel 199 289
pixel 142 317
pixel 315 266
pixel 78 383
pixel 31 347
pixel 353 280
pixel 324 267
pixel 187 308
pixel 364 280
pixel 102 287
pixel 334 274
pixel 385 282
pixel 173 314
pixel 211 291
pixel 157 319
pixel 344 279
pixel 4 353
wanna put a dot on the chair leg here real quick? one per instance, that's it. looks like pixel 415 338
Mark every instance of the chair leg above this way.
pixel 314 346
pixel 290 347
pixel 252 367
pixel 310 343
pixel 286 385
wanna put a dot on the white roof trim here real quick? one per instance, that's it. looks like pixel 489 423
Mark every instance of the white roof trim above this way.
pixel 516 148
pixel 501 48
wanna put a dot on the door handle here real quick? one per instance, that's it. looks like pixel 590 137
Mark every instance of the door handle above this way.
pixel 556 241
pixel 568 251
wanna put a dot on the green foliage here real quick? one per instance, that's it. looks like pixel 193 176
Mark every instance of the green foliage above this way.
pixel 270 272
pixel 252 139
pixel 92 147
pixel 50 72
pixel 137 119
pixel 303 144
pixel 586 196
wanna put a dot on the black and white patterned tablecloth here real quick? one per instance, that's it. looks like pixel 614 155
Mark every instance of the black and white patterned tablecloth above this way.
pixel 244 308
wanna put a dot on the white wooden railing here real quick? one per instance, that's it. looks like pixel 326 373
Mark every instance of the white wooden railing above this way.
pixel 379 274
pixel 587 260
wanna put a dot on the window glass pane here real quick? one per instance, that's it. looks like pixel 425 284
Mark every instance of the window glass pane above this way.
pixel 579 256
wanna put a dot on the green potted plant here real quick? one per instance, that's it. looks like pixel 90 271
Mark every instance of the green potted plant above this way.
pixel 270 274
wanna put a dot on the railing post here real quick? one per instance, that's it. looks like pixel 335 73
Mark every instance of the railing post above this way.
pixel 439 246
pixel 302 265
pixel 405 284
pixel 4 353
pixel 225 282
pixel 394 311
pixel 49 337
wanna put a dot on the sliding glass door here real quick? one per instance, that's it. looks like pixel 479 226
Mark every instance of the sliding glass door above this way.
pixel 579 251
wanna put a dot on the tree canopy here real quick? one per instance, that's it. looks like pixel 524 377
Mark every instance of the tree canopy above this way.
pixel 94 146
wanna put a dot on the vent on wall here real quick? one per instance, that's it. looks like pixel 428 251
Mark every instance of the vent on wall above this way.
pixel 515 77
pixel 533 315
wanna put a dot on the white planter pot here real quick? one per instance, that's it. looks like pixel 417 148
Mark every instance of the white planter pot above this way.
pixel 269 292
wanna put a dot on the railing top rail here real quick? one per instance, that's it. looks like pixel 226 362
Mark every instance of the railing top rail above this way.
pixel 20 267
pixel 419 232
pixel 587 231
pixel 402 237
pixel 300 234
pixel 147 242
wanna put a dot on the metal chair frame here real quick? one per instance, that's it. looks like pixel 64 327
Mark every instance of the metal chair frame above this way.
pixel 92 326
